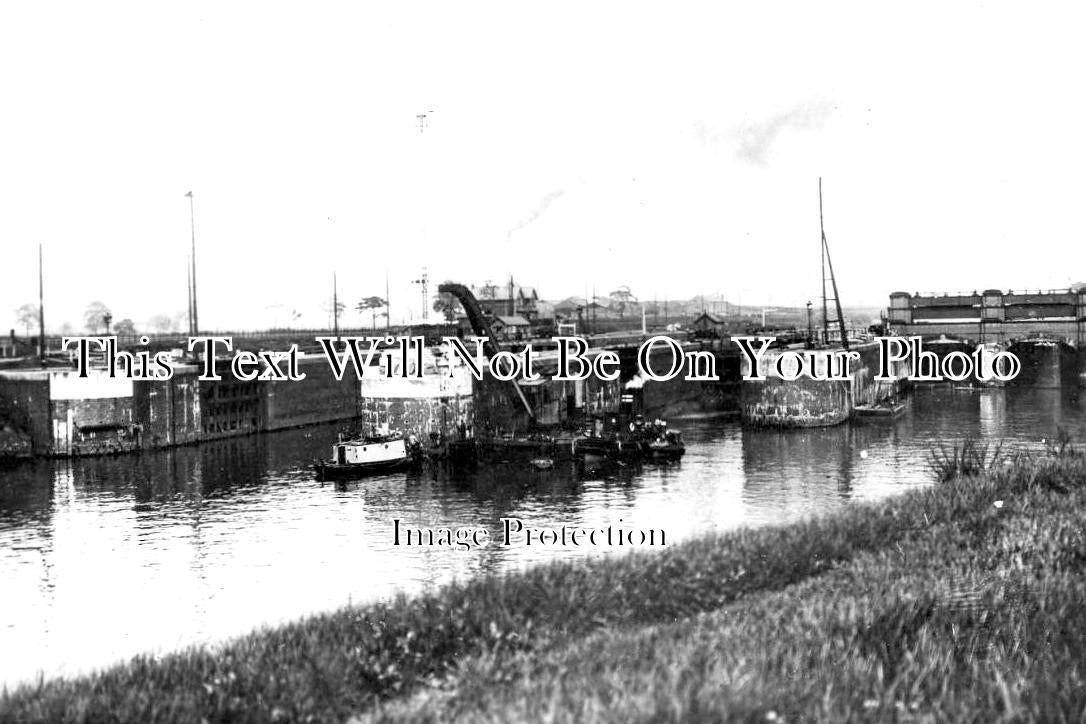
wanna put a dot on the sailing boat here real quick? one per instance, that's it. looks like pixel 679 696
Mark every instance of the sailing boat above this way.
pixel 803 402
pixel 881 400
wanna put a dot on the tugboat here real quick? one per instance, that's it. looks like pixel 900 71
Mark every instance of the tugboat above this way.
pixel 370 455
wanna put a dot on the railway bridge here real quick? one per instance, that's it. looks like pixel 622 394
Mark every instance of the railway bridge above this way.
pixel 992 316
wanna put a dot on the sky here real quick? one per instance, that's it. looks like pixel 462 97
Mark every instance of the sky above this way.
pixel 672 148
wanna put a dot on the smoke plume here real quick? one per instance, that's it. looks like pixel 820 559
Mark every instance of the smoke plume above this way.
pixel 536 213
pixel 755 140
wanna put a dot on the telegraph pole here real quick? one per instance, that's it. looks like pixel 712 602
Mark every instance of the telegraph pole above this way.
pixel 388 305
pixel 335 306
pixel 424 280
pixel 41 308
pixel 423 120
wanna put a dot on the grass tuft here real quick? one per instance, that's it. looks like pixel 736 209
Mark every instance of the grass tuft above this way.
pixel 969 459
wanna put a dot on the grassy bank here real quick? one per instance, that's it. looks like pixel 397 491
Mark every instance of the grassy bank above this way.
pixel 966 601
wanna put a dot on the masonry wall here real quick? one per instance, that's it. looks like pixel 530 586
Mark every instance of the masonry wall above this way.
pixel 320 397
pixel 64 414
pixel 680 397
pixel 435 404
pixel 805 402
pixel 169 410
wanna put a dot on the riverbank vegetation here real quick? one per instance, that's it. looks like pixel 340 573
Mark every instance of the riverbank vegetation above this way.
pixel 965 601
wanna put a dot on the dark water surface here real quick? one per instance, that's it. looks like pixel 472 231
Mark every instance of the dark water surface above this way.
pixel 101 559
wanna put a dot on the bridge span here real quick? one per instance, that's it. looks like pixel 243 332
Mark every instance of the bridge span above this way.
pixel 992 316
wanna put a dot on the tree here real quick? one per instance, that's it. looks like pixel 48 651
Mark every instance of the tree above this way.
pixel 27 316
pixel 621 298
pixel 125 327
pixel 96 317
pixel 327 307
pixel 180 320
pixel 160 323
pixel 449 306
pixel 372 304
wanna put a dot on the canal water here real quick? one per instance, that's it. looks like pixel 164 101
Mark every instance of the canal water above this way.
pixel 101 559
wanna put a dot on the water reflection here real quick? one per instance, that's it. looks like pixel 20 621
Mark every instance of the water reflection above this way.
pixel 103 558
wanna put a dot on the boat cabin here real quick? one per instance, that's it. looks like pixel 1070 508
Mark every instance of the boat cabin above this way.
pixel 370 450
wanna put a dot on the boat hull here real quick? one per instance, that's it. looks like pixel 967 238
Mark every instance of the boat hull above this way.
pixel 592 447
pixel 669 452
pixel 598 448
pixel 882 411
pixel 1045 363
pixel 340 471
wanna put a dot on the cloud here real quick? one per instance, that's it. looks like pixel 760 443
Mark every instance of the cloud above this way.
pixel 754 141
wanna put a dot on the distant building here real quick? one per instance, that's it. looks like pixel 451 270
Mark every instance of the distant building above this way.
pixel 11 346
pixel 595 311
pixel 514 301
pixel 509 329
pixel 7 346
pixel 709 325
pixel 569 307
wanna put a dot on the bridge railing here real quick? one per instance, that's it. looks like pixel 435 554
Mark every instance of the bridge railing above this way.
pixel 1008 292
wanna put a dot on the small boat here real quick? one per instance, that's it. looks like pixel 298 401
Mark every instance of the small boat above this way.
pixel 541 463
pixel 887 408
pixel 668 446
pixel 368 456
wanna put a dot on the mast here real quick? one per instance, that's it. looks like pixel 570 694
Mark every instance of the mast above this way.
pixel 192 221
pixel 828 263
pixel 41 308
pixel 822 227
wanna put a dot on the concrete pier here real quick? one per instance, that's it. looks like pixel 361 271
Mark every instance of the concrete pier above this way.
pixel 805 402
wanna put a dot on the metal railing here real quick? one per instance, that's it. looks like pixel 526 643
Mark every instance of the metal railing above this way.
pixel 1009 292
